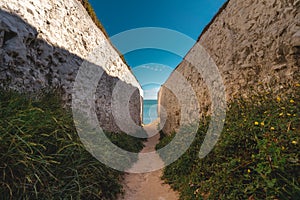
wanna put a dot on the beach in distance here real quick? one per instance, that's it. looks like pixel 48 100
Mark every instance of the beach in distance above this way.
pixel 149 111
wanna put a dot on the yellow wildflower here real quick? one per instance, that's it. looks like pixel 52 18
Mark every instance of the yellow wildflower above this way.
pixel 272 128
pixel 294 142
pixel 262 123
pixel 248 170
pixel 281 114
pixel 292 101
pixel 283 148
pixel 256 123
pixel 278 99
pixel 288 114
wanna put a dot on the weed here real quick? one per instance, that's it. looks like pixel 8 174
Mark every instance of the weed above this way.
pixel 41 156
pixel 256 157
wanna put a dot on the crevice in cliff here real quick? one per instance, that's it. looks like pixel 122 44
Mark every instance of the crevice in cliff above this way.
pixel 5 34
pixel 9 35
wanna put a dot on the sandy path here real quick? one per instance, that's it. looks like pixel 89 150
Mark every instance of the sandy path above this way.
pixel 148 186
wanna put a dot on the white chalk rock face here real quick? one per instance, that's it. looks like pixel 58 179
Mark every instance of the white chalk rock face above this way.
pixel 44 43
pixel 256 46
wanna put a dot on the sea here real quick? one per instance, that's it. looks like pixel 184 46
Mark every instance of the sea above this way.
pixel 149 111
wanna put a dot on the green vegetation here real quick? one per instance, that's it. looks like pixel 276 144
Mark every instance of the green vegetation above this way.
pixel 257 155
pixel 88 7
pixel 41 156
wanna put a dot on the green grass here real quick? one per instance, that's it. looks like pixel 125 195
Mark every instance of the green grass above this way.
pixel 41 156
pixel 256 157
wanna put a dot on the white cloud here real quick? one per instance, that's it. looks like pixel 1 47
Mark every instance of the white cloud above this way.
pixel 152 73
pixel 151 93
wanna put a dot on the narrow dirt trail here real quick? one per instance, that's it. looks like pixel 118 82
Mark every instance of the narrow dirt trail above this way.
pixel 148 186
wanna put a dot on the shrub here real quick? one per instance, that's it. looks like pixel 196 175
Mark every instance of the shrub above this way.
pixel 41 156
pixel 256 157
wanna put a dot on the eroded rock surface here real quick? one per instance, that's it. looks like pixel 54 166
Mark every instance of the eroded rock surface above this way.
pixel 44 43
pixel 255 45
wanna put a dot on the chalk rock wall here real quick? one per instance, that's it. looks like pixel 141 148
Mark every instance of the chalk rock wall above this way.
pixel 44 43
pixel 256 46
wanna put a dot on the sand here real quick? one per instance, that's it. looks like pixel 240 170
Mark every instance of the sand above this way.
pixel 147 186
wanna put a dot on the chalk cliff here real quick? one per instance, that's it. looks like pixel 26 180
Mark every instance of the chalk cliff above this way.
pixel 256 47
pixel 43 43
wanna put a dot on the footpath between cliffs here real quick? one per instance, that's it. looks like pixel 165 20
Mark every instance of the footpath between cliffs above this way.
pixel 147 186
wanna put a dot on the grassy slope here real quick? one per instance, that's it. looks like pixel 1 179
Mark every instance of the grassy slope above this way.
pixel 257 156
pixel 41 156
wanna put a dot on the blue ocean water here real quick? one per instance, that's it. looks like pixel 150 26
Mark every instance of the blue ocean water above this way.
pixel 149 111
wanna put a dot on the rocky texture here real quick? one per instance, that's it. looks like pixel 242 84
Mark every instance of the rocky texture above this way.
pixel 43 44
pixel 256 46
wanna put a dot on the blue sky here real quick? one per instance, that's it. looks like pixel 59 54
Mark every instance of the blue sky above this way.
pixel 153 66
